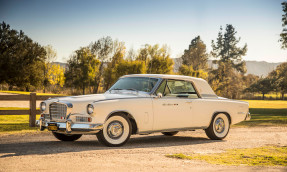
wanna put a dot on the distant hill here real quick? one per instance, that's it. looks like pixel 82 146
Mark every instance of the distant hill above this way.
pixel 259 68
pixel 61 64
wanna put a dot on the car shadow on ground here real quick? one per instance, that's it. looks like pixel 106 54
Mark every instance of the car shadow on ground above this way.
pixel 55 147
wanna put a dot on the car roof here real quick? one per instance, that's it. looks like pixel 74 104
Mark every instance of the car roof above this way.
pixel 201 85
pixel 166 76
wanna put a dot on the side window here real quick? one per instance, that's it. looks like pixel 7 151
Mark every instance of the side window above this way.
pixel 177 88
pixel 161 88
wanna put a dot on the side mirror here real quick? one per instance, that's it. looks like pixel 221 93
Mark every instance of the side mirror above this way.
pixel 159 95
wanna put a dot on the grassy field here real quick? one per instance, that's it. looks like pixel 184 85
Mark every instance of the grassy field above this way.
pixel 262 156
pixel 27 93
pixel 15 123
pixel 264 113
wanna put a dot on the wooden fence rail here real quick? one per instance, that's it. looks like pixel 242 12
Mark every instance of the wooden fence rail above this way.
pixel 32 98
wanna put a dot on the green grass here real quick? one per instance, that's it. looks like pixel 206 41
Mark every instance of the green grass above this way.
pixel 267 104
pixel 262 156
pixel 15 108
pixel 27 93
pixel 266 113
pixel 16 124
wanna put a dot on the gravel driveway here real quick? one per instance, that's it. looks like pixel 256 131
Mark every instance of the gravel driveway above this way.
pixel 42 152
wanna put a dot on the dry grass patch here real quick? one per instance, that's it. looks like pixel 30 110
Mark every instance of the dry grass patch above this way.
pixel 262 156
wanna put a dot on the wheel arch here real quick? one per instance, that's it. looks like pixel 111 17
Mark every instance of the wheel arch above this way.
pixel 218 112
pixel 130 117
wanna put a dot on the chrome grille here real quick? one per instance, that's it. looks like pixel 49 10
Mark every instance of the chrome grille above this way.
pixel 58 111
pixel 82 119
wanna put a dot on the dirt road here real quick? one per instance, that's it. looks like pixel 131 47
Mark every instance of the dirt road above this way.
pixel 42 152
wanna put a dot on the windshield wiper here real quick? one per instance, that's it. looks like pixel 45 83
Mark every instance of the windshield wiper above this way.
pixel 132 89
pixel 115 89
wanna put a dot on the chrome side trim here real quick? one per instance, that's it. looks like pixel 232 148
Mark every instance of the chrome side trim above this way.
pixel 172 129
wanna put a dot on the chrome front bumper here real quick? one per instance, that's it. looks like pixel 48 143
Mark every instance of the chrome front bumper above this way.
pixel 70 127
pixel 248 117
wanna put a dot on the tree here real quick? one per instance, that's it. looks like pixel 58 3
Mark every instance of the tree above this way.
pixel 126 67
pixel 226 49
pixel 131 55
pixel 157 59
pixel 20 59
pixel 283 35
pixel 196 55
pixel 188 71
pixel 82 69
pixel 56 76
pixel 102 49
pixel 118 57
pixel 263 86
pixel 279 76
pixel 144 53
pixel 51 55
pixel 229 73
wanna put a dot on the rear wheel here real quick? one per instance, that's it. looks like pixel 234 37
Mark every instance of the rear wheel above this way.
pixel 170 133
pixel 64 137
pixel 116 132
pixel 219 127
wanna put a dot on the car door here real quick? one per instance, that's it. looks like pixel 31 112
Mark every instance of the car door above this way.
pixel 174 109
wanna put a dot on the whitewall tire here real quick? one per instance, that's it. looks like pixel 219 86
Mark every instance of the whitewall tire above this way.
pixel 116 132
pixel 219 127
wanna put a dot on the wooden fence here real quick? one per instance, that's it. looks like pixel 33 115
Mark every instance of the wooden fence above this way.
pixel 32 98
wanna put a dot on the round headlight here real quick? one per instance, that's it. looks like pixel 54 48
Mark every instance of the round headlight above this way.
pixel 90 109
pixel 43 106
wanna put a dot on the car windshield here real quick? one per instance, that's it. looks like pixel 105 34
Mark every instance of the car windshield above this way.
pixel 135 84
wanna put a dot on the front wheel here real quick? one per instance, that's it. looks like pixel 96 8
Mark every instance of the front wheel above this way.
pixel 64 137
pixel 219 127
pixel 116 132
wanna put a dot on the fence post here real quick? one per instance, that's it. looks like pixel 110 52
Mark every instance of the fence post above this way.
pixel 32 116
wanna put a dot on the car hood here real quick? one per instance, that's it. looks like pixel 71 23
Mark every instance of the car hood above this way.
pixel 97 97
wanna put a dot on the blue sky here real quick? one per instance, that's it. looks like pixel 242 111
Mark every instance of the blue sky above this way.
pixel 68 25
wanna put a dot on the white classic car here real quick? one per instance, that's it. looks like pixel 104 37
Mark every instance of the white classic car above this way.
pixel 143 104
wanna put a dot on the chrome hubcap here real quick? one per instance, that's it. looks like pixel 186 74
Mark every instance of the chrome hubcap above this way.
pixel 115 129
pixel 219 125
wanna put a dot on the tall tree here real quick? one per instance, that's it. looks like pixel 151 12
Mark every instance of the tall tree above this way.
pixel 231 67
pixel 20 59
pixel 283 35
pixel 51 56
pixel 279 76
pixel 226 49
pixel 102 49
pixel 196 55
pixel 82 69
pixel 118 56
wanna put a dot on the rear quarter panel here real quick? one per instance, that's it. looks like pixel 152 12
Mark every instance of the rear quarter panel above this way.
pixel 204 109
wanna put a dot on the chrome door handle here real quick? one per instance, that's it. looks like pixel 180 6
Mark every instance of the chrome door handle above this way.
pixel 170 104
